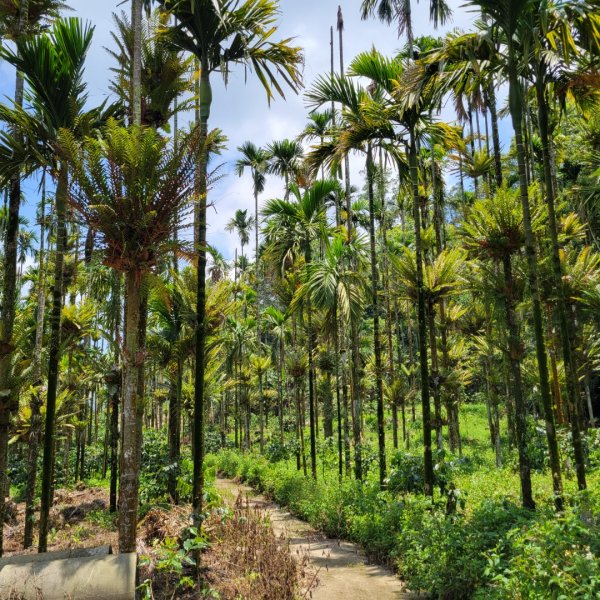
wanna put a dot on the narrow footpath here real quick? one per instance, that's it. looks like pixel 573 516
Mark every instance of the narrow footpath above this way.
pixel 343 571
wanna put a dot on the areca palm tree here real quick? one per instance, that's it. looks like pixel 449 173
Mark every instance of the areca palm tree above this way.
pixel 495 232
pixel 255 159
pixel 222 34
pixel 292 226
pixel 549 62
pixel 219 267
pixel 359 133
pixel 276 322
pixel 164 71
pixel 441 280
pixel 508 18
pixel 19 19
pixel 129 186
pixel 340 291
pixel 167 303
pixel 400 11
pixel 285 160
pixel 319 126
pixel 394 109
pixel 52 65
pixel 241 223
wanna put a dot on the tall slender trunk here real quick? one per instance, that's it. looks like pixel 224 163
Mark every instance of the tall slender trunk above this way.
pixel 514 356
pixel 407 15
pixel 35 431
pixel 8 401
pixel 175 428
pixel 573 388
pixel 54 355
pixel 311 379
pixel 376 327
pixel 280 385
pixel 328 406
pixel 129 475
pixel 198 446
pixel 389 335
pixel 354 371
pixel 399 358
pixel 261 411
pixel 516 110
pixel 257 276
pixel 115 396
pixel 136 99
pixel 422 324
pixel 472 144
pixel 336 341
pixel 435 378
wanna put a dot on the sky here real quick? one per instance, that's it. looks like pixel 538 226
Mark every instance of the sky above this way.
pixel 241 109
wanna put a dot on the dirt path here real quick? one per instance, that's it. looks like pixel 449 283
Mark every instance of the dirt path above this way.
pixel 343 571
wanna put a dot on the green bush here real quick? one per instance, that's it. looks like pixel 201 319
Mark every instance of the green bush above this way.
pixel 446 555
pixel 481 551
pixel 555 557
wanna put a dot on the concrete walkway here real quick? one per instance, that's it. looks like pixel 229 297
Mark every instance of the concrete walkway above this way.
pixel 343 571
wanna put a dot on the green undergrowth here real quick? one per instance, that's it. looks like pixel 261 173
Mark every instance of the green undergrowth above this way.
pixel 474 541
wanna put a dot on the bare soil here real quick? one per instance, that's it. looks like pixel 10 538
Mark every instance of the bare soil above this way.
pixel 70 525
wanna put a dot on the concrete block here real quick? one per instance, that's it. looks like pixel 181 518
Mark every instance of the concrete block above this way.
pixel 107 577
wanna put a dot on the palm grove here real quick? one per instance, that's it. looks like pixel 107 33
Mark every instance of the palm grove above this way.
pixel 361 314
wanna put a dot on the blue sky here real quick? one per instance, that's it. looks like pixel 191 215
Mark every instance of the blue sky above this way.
pixel 241 110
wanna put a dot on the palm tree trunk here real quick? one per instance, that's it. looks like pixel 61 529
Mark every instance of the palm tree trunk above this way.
pixel 258 329
pixel 236 409
pixel 399 358
pixel 422 324
pixel 336 341
pixel 36 399
pixel 136 100
pixel 311 380
pixel 490 98
pixel 261 411
pixel 588 397
pixel 516 110
pixel 573 390
pixel 388 331
pixel 376 334
pixel 354 342
pixel 8 307
pixel 129 476
pixel 198 448
pixel 280 386
pixel 407 15
pixel 175 429
pixel 514 356
pixel 114 445
pixel 54 356
pixel 115 396
pixel 435 378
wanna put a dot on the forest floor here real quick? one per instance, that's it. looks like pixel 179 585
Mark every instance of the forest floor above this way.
pixel 79 518
pixel 341 570
pixel 244 557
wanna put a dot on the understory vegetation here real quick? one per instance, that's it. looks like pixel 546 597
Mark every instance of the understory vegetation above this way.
pixel 474 541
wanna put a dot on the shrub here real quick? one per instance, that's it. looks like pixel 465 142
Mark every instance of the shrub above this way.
pixel 446 555
pixel 554 557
